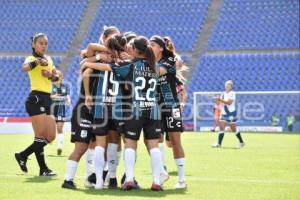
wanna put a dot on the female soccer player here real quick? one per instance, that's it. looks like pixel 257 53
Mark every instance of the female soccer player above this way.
pixel 106 113
pixel 81 127
pixel 60 98
pixel 228 114
pixel 142 75
pixel 169 103
pixel 41 71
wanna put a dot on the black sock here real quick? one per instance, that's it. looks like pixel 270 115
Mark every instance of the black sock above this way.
pixel 238 135
pixel 220 137
pixel 28 151
pixel 39 152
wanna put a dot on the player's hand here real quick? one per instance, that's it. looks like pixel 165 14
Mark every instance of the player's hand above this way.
pixel 89 101
pixel 125 56
pixel 82 67
pixel 43 61
pixel 83 53
pixel 46 73
pixel 217 98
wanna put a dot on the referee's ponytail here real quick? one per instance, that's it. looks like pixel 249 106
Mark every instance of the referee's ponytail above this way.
pixel 142 45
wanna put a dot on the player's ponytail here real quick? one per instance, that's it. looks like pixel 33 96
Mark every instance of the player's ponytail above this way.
pixel 142 45
pixel 180 67
pixel 150 57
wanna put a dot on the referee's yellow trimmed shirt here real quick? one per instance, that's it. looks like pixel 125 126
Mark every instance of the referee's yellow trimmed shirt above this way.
pixel 37 81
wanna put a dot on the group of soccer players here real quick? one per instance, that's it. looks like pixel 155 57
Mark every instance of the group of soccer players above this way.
pixel 129 84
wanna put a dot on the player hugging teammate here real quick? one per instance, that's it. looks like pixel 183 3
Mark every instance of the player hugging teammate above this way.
pixel 127 96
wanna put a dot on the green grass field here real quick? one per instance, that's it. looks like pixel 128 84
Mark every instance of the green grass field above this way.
pixel 267 168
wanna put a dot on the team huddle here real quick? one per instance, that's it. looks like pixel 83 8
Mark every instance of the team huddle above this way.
pixel 130 84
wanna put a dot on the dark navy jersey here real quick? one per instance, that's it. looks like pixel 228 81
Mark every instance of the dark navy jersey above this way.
pixel 62 91
pixel 142 87
pixel 60 102
pixel 93 82
pixel 167 83
pixel 108 96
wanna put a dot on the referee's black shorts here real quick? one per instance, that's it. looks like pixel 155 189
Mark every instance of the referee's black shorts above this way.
pixel 38 103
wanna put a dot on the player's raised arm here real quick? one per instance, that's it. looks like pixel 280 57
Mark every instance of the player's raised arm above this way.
pixel 97 66
pixel 92 48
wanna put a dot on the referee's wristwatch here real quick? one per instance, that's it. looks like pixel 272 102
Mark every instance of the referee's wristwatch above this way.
pixel 98 57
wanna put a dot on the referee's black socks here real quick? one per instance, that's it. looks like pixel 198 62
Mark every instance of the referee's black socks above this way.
pixel 28 151
pixel 39 152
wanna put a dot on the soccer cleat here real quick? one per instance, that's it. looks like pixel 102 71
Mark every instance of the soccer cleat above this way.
pixel 69 185
pixel 22 162
pixel 163 178
pixel 59 151
pixel 156 187
pixel 136 186
pixel 47 172
pixel 241 145
pixel 113 183
pixel 180 185
pixel 216 146
pixel 129 185
pixel 88 184
pixel 92 178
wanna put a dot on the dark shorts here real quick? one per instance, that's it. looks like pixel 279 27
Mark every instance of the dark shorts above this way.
pixel 150 127
pixel 171 121
pixel 230 117
pixel 81 121
pixel 38 103
pixel 59 112
pixel 102 126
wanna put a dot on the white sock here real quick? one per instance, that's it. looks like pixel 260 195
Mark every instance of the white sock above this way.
pixel 129 159
pixel 60 140
pixel 99 164
pixel 89 162
pixel 112 150
pixel 119 154
pixel 156 164
pixel 180 162
pixel 162 153
pixel 71 170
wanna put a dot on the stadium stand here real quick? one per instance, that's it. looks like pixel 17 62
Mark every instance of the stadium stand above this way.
pixel 168 17
pixel 250 72
pixel 256 24
pixel 21 19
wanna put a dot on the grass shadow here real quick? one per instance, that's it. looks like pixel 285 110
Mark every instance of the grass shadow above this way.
pixel 230 148
pixel 56 156
pixel 145 192
pixel 39 179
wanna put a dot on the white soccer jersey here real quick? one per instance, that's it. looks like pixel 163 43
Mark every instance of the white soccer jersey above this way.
pixel 226 96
